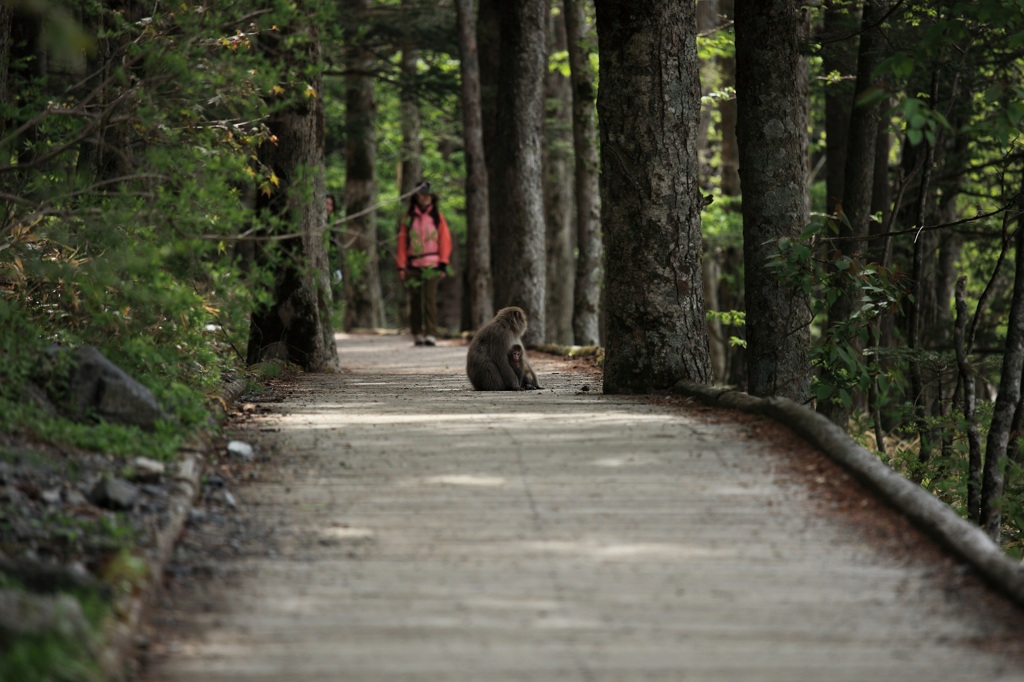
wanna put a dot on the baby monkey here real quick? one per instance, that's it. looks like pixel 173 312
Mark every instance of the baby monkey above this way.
pixel 527 377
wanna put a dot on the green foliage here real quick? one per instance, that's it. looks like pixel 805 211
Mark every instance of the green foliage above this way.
pixel 123 237
pixel 845 355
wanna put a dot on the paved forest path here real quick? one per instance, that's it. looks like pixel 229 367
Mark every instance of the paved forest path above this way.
pixel 398 526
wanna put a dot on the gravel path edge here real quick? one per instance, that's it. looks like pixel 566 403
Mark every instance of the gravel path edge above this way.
pixel 924 510
pixel 119 636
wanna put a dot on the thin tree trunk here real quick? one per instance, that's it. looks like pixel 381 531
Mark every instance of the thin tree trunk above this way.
pixel 587 295
pixel 914 306
pixel 839 56
pixel 1007 398
pixel 478 288
pixel 771 88
pixel 409 109
pixel 6 44
pixel 488 31
pixel 967 382
pixel 858 185
pixel 519 275
pixel 558 191
pixel 649 113
pixel 363 295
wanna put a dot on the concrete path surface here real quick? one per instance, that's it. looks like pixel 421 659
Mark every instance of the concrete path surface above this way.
pixel 402 527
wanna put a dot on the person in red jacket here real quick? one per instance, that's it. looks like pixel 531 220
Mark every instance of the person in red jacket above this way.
pixel 424 249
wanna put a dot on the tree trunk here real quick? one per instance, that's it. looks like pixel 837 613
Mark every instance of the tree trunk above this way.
pixel 363 295
pixel 858 183
pixel 967 379
pixel 772 114
pixel 297 325
pixel 519 274
pixel 839 60
pixel 1009 395
pixel 587 295
pixel 478 287
pixel 409 109
pixel 488 31
pixel 558 199
pixel 649 112
pixel 6 44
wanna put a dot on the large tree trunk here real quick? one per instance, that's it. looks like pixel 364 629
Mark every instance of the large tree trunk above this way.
pixel 771 89
pixel 649 112
pixel 519 272
pixel 479 292
pixel 297 325
pixel 1009 395
pixel 586 327
pixel 558 200
pixel 363 296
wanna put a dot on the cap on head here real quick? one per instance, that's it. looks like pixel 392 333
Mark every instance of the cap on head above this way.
pixel 423 187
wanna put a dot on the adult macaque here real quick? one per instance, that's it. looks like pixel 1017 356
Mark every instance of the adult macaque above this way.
pixel 527 377
pixel 487 361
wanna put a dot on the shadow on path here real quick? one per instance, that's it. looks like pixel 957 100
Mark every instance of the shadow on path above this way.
pixel 401 527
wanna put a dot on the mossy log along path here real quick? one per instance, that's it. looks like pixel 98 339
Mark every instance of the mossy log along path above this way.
pixel 411 529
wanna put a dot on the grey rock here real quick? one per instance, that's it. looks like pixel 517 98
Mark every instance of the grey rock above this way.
pixel 114 493
pixel 97 387
pixel 75 498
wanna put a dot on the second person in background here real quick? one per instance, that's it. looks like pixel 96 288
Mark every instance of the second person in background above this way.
pixel 424 250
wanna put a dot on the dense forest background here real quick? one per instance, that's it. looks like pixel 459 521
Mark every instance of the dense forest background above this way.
pixel 820 200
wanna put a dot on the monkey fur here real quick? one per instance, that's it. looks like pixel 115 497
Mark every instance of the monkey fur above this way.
pixel 527 377
pixel 487 361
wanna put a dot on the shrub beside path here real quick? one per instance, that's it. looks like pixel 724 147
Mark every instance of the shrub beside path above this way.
pixel 397 526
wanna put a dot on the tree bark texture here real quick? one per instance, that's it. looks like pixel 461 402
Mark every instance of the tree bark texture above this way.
pixel 841 23
pixel 587 294
pixel 558 191
pixel 478 283
pixel 771 89
pixel 649 112
pixel 488 32
pixel 858 180
pixel 6 25
pixel 297 324
pixel 519 259
pixel 363 294
pixel 1009 395
pixel 967 380
pixel 410 113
